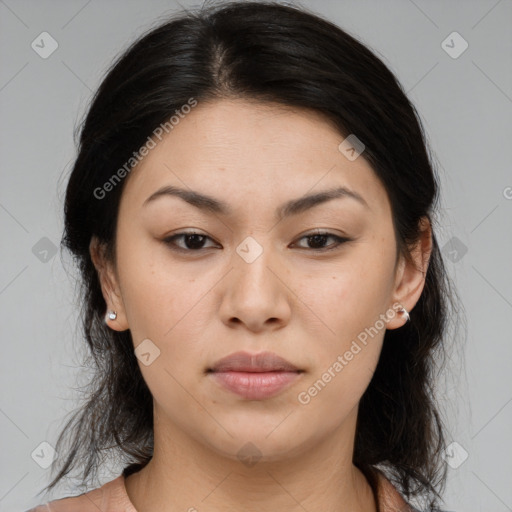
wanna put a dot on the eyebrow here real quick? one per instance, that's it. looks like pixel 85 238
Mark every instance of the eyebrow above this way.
pixel 292 207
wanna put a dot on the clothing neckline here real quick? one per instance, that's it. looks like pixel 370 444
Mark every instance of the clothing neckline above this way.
pixel 389 499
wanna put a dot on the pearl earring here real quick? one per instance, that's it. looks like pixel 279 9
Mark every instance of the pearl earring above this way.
pixel 111 315
pixel 404 312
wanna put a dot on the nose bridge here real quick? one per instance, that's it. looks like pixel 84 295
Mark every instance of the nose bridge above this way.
pixel 251 261
pixel 253 294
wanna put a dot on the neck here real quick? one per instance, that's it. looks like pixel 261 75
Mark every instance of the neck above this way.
pixel 185 474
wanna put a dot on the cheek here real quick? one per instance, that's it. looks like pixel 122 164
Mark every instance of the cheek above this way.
pixel 349 300
pixel 156 294
pixel 347 355
pixel 351 294
pixel 169 303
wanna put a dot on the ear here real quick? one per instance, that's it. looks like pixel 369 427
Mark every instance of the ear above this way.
pixel 410 275
pixel 109 285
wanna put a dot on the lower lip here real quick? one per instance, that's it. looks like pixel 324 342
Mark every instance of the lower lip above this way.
pixel 255 385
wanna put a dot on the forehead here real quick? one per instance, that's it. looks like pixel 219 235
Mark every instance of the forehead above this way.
pixel 244 151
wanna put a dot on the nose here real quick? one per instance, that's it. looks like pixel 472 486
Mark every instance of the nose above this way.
pixel 255 294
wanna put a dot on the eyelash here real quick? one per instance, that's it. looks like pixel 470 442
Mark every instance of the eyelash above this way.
pixel 339 241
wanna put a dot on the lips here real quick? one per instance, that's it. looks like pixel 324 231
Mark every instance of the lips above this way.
pixel 254 376
pixel 246 362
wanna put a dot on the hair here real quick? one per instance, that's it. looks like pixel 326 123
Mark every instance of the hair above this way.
pixel 275 54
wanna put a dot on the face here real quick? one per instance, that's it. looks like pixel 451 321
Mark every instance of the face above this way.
pixel 316 283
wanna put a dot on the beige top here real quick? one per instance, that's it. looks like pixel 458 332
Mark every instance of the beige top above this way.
pixel 112 497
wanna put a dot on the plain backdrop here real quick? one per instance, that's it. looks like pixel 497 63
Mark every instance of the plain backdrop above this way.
pixel 465 102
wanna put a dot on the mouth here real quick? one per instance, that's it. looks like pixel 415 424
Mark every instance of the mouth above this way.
pixel 255 385
pixel 254 376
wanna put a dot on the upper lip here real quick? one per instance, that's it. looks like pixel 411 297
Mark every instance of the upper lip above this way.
pixel 246 362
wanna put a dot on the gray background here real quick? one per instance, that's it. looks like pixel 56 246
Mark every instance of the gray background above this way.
pixel 466 106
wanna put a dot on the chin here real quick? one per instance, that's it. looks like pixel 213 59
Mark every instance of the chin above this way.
pixel 258 447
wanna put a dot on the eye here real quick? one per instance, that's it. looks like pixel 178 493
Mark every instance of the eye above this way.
pixel 317 239
pixel 193 241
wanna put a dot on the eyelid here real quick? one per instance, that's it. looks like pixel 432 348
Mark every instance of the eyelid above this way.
pixel 340 239
pixel 317 232
pixel 169 241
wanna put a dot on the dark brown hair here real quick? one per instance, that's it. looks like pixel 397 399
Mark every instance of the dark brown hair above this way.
pixel 268 52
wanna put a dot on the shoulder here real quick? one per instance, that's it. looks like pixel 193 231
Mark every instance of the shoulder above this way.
pixel 110 497
pixel 389 498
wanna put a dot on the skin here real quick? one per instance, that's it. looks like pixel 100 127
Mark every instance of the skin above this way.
pixel 307 306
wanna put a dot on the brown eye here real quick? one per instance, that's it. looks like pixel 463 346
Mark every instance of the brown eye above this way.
pixel 195 242
pixel 316 241
pixel 192 241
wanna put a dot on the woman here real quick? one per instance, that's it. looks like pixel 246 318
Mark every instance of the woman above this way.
pixel 251 210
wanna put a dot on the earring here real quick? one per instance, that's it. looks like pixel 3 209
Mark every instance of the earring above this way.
pixel 111 315
pixel 404 312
